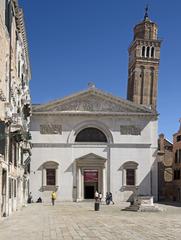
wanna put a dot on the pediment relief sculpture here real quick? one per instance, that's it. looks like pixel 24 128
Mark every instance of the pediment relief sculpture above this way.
pixel 92 101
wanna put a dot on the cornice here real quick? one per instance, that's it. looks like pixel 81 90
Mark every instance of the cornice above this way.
pixel 84 113
pixel 22 29
pixel 89 145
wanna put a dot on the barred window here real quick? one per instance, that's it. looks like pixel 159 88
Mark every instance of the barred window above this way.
pixel 50 176
pixel 130 176
pixel 130 169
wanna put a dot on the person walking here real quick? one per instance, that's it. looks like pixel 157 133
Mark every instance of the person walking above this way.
pixel 107 198
pixel 110 198
pixel 96 196
pixel 53 197
pixel 100 197
pixel 29 198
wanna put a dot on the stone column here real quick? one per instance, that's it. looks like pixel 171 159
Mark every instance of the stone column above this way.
pixel 124 177
pixel 79 183
pixel 82 184
pixel 136 177
pixel 74 181
pixel 0 185
pixel 44 177
pixel 104 182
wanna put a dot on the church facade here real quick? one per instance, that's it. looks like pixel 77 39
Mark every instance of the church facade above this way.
pixel 92 140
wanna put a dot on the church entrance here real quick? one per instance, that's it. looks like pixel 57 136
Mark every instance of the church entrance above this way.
pixel 90 183
pixel 90 176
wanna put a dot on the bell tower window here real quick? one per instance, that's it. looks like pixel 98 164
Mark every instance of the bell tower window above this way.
pixel 143 51
pixel 148 51
pixel 152 52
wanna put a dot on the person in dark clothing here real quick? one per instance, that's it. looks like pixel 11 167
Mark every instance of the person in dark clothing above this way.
pixel 29 198
pixel 110 198
pixel 107 199
pixel 39 200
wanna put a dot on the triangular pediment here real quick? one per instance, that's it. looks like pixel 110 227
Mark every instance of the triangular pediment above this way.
pixel 90 160
pixel 92 101
pixel 91 156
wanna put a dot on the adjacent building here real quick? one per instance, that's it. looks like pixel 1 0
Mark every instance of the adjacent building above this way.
pixel 169 168
pixel 92 140
pixel 165 169
pixel 15 108
pixel 177 165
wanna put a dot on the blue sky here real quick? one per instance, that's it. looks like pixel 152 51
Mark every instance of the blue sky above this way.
pixel 73 42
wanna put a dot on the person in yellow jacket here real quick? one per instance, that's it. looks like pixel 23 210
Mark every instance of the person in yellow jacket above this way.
pixel 53 197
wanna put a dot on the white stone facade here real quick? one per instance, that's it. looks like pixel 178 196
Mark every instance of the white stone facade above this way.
pixel 131 143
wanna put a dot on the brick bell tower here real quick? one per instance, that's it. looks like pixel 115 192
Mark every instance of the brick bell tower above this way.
pixel 144 58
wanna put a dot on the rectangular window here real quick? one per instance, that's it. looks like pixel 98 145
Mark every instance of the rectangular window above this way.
pixel 14 188
pixel 178 138
pixel 10 150
pixel 176 174
pixel 130 177
pixel 21 156
pixel 50 177
pixel 178 156
pixel 2 138
pixel 15 154
pixel 10 187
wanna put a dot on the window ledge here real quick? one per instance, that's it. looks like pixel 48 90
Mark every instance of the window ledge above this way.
pixel 50 188
pixel 130 187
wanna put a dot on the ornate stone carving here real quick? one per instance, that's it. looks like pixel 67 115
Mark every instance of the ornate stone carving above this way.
pixel 168 175
pixel 91 104
pixel 51 129
pixel 2 96
pixel 130 130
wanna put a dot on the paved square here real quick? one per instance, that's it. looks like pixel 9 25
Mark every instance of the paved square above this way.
pixel 80 221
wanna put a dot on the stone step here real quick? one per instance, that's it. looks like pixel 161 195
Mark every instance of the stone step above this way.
pixel 134 208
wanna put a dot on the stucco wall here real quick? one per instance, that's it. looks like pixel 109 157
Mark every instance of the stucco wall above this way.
pixel 120 149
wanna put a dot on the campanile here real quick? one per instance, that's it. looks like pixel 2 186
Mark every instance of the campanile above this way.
pixel 144 58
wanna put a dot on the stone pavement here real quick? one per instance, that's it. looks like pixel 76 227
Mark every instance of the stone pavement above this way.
pixel 67 221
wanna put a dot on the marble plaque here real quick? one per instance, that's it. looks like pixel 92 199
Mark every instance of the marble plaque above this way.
pixel 51 129
pixel 130 130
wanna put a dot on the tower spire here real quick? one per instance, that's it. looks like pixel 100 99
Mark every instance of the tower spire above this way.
pixel 180 124
pixel 146 13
